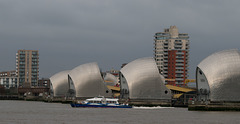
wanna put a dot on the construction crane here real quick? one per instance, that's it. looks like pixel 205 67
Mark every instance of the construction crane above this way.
pixel 169 79
pixel 189 80
pixel 185 82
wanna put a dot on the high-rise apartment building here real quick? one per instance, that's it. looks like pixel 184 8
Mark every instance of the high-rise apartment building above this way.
pixel 27 67
pixel 172 55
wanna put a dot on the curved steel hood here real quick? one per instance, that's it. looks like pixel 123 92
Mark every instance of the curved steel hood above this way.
pixel 59 83
pixel 220 74
pixel 144 80
pixel 88 81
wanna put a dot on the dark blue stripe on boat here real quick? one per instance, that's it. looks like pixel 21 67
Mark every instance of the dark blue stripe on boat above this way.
pixel 99 106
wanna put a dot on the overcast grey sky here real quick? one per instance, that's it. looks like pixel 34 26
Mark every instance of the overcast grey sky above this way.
pixel 68 33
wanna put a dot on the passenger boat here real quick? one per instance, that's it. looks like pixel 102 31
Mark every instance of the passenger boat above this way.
pixel 101 102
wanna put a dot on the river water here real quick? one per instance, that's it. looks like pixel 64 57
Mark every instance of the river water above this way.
pixel 26 112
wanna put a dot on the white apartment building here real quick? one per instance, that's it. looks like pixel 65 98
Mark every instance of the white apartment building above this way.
pixel 8 79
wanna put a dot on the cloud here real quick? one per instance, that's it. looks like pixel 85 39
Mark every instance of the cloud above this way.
pixel 73 32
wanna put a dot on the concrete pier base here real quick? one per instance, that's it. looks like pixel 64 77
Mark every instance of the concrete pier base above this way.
pixel 213 106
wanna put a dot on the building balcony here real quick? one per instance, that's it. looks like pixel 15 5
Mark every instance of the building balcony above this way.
pixel 179 68
pixel 179 60
pixel 165 64
pixel 165 47
pixel 161 33
pixel 165 44
pixel 179 79
pixel 165 75
pixel 179 72
pixel 184 37
pixel 165 60
pixel 165 68
pixel 183 34
pixel 179 64
pixel 165 72
pixel 179 57
pixel 165 57
pixel 179 53
pixel 35 73
pixel 177 48
pixel 179 75
pixel 22 56
pixel 34 54
pixel 165 53
pixel 178 45
pixel 163 37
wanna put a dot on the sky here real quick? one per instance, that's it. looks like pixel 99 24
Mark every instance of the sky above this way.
pixel 69 33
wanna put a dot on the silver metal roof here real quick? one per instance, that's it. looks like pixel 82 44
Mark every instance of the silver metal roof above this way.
pixel 144 80
pixel 110 77
pixel 219 74
pixel 88 81
pixel 59 83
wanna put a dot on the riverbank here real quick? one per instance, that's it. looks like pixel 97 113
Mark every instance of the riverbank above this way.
pixel 10 97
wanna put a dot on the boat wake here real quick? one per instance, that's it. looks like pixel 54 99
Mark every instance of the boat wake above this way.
pixel 155 107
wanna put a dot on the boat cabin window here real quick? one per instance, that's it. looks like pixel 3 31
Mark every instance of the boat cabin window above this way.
pixel 94 101
pixel 111 101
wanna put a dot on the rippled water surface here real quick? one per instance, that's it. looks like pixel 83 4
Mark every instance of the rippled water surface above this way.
pixel 25 112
